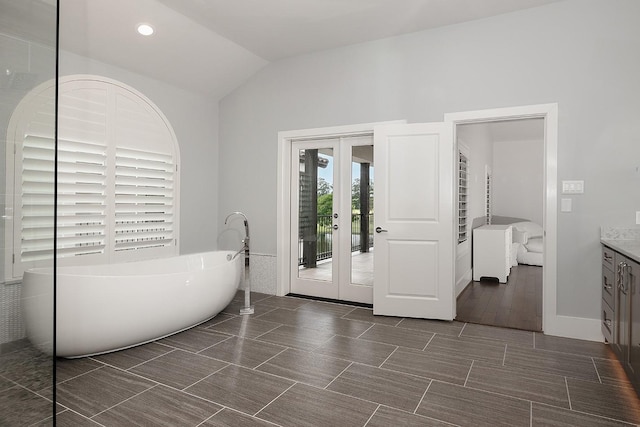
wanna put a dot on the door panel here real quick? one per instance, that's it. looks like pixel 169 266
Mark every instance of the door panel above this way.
pixel 405 173
pixel 356 266
pixel 313 271
pixel 414 262
pixel 413 270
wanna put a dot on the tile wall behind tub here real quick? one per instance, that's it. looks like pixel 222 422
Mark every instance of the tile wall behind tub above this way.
pixel 11 324
pixel 263 273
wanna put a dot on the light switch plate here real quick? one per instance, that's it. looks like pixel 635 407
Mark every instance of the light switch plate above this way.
pixel 573 187
pixel 565 205
pixel 637 217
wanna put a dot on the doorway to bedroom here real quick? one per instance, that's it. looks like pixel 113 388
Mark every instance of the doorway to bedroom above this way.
pixel 501 196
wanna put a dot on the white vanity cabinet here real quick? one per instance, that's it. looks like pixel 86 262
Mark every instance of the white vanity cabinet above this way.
pixel 492 252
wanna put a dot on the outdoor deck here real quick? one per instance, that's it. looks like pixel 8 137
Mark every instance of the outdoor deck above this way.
pixel 361 271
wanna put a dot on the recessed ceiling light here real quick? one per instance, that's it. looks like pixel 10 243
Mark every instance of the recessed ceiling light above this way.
pixel 145 29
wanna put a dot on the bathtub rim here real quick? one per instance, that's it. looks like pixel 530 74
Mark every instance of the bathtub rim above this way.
pixel 62 270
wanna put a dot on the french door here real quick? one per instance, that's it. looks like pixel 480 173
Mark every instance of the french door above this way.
pixel 332 218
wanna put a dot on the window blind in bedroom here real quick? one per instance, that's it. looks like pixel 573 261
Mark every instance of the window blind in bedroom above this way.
pixel 462 197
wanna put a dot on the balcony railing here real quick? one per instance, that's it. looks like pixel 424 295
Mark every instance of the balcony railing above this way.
pixel 324 241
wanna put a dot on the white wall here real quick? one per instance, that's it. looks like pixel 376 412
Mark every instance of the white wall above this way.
pixel 194 120
pixel 518 179
pixel 581 54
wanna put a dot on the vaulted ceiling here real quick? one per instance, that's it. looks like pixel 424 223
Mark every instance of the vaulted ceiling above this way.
pixel 212 46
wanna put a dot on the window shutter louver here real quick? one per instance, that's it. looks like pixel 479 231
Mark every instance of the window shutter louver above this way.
pixel 36 199
pixel 143 200
pixel 462 197
pixel 82 198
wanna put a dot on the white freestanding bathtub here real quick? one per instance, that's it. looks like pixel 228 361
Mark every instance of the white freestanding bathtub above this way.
pixel 105 308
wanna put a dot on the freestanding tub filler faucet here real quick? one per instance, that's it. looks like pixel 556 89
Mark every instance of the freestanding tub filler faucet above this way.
pixel 248 308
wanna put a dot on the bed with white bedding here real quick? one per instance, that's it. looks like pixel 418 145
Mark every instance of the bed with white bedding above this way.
pixel 527 242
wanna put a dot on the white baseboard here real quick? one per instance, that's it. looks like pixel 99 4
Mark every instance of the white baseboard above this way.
pixel 463 282
pixel 574 327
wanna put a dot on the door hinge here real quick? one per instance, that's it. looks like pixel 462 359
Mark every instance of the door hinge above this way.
pixel 13 258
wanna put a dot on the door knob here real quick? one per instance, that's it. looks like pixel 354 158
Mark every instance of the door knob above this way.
pixel 380 230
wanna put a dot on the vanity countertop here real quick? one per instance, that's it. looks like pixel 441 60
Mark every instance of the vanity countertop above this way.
pixel 629 248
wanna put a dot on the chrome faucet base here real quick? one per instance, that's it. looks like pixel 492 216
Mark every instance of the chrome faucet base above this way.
pixel 246 310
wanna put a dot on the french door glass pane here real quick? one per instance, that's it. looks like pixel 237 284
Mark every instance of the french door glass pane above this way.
pixel 362 215
pixel 315 219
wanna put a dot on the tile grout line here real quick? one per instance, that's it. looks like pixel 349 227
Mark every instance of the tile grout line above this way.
pixel 429 342
pixel 222 321
pixel 534 340
pixel 596 368
pixel 271 358
pixel 346 314
pixel 146 361
pixel 212 415
pixel 462 330
pixel 468 373
pixel 331 382
pixel 202 379
pixel 423 396
pixel 324 342
pixel 84 373
pixel 372 415
pixel 124 401
pixel 265 333
pixel 387 358
pixel 504 356
pixel 274 399
pixel 566 383
pixel 367 330
pixel 83 416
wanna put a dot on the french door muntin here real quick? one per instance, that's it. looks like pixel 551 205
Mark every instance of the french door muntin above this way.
pixel 331 246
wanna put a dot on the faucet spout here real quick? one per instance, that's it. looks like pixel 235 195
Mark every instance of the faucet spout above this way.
pixel 246 224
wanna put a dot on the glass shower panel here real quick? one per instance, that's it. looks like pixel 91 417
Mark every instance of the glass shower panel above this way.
pixel 315 220
pixel 362 215
pixel 27 59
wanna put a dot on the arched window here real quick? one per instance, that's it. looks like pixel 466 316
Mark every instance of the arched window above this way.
pixel 117 177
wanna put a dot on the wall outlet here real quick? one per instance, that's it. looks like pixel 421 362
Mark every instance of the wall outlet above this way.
pixel 637 217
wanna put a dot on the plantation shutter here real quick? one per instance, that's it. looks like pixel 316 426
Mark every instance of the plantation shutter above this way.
pixel 117 176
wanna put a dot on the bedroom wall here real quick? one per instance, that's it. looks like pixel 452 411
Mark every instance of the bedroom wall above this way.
pixel 518 179
pixel 581 54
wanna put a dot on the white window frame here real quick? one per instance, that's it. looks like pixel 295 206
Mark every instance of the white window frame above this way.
pixel 137 179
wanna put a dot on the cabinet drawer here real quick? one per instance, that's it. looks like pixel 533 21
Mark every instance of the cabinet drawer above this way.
pixel 607 322
pixel 608 257
pixel 608 285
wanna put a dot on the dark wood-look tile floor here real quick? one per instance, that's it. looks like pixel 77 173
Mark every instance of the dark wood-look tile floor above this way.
pixel 281 368
pixel 515 304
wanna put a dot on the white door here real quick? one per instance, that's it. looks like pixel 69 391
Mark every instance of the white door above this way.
pixel 414 255
pixel 331 218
